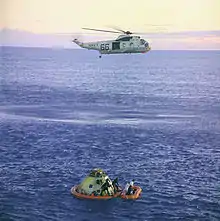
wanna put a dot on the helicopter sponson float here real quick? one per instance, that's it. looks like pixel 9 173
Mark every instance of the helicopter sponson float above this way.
pixel 124 43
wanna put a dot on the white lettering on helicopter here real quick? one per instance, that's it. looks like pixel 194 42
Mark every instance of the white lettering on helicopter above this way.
pixel 104 46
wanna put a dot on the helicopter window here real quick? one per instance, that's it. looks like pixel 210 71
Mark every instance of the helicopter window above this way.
pixel 115 45
pixel 124 39
pixel 142 41
pixel 146 44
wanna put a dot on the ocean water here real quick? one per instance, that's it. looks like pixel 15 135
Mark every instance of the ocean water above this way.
pixel 151 117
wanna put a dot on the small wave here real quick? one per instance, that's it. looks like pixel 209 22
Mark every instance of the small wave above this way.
pixel 175 116
pixel 91 120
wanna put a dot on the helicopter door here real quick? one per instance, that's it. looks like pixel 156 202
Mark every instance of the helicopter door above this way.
pixel 131 45
pixel 115 45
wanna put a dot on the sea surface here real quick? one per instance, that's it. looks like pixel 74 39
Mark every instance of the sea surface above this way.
pixel 151 117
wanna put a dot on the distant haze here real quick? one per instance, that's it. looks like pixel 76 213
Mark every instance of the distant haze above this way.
pixel 192 40
pixel 170 24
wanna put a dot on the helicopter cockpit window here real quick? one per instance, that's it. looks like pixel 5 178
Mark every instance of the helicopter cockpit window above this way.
pixel 142 41
pixel 124 39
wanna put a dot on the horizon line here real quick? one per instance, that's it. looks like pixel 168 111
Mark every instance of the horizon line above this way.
pixel 62 48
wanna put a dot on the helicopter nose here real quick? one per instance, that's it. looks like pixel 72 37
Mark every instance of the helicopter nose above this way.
pixel 147 46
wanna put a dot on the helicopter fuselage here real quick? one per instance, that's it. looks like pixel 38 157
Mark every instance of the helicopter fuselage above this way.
pixel 123 44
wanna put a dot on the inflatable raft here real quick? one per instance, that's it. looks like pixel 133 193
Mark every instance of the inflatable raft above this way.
pixel 92 196
pixel 137 191
pixel 98 186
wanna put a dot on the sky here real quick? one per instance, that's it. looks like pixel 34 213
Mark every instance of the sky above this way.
pixel 161 16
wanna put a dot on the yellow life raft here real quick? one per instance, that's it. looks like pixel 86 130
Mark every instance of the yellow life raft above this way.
pixel 136 194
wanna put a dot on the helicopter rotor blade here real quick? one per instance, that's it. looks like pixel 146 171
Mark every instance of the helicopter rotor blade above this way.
pixel 158 30
pixel 117 28
pixel 92 29
pixel 153 31
pixel 153 28
pixel 121 30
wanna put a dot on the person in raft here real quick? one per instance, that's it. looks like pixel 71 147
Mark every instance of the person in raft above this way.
pixel 115 185
pixel 129 188
pixel 105 187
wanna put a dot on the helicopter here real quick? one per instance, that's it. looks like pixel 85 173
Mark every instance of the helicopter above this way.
pixel 126 42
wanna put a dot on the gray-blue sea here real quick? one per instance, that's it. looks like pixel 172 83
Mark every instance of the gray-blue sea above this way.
pixel 151 117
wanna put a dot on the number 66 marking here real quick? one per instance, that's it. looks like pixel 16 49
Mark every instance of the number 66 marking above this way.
pixel 104 46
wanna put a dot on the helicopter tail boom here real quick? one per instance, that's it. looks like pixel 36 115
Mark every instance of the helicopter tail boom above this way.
pixel 76 41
